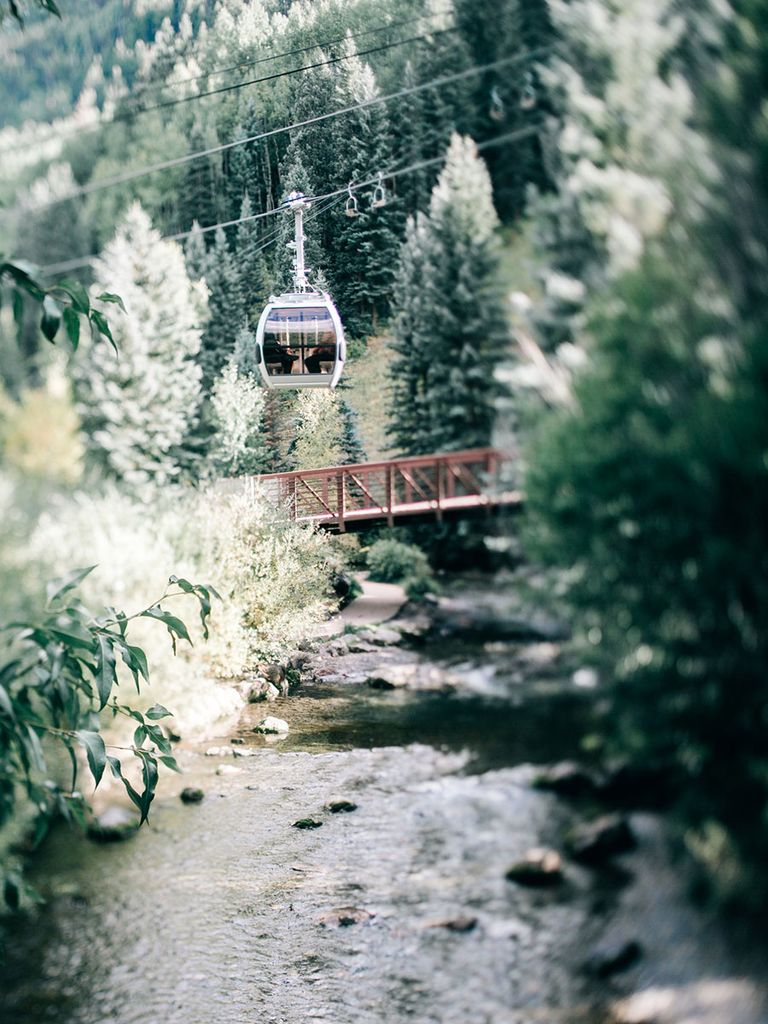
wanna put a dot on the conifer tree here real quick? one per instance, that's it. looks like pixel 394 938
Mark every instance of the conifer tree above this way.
pixel 363 249
pixel 195 252
pixel 137 409
pixel 198 200
pixel 237 402
pixel 225 308
pixel 351 446
pixel 453 327
pixel 253 278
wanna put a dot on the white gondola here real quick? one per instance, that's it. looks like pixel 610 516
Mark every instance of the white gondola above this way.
pixel 300 337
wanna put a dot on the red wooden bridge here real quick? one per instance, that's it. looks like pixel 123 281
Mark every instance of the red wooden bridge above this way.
pixel 346 498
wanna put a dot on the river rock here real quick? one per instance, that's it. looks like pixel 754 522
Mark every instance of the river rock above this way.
pixel 113 825
pixel 243 752
pixel 340 805
pixel 297 660
pixel 191 795
pixel 462 923
pixel 385 636
pixel 304 823
pixel 612 956
pixel 272 726
pixel 218 752
pixel 594 842
pixel 539 868
pixel 237 741
pixel 259 690
pixel 343 917
pixel 228 769
pixel 358 644
pixel 566 778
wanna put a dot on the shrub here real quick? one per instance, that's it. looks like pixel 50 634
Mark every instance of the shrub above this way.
pixel 391 561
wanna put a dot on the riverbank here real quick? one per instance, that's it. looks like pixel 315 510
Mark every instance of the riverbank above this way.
pixel 357 867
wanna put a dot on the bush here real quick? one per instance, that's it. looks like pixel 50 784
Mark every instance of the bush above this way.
pixel 391 561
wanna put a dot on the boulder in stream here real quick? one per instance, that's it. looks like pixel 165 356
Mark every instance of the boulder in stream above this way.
pixel 462 923
pixel 307 823
pixel 343 917
pixel 567 779
pixel 538 869
pixel 191 795
pixel 272 726
pixel 340 805
pixel 612 956
pixel 594 842
pixel 113 825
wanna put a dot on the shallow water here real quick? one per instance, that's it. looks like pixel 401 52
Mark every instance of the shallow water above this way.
pixel 214 914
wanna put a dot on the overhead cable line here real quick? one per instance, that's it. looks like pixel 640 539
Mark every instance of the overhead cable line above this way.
pixel 355 186
pixel 164 165
pixel 127 115
pixel 291 53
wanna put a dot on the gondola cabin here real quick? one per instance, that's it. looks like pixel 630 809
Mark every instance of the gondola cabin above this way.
pixel 301 341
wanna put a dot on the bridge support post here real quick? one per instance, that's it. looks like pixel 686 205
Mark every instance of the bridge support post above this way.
pixel 340 501
pixel 440 473
pixel 390 496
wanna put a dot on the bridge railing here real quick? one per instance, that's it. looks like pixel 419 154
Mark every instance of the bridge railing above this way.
pixel 339 495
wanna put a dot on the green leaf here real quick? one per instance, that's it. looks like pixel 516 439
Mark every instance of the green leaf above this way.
pixel 111 297
pixel 62 585
pixel 106 675
pixel 6 704
pixel 170 762
pixel 157 711
pixel 78 294
pixel 51 318
pixel 96 752
pixel 174 625
pixel 101 324
pixel 34 749
pixel 139 735
pixel 72 325
pixel 114 766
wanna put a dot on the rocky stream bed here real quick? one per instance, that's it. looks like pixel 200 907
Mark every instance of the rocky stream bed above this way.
pixel 416 843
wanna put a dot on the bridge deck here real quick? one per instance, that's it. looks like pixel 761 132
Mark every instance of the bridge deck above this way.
pixel 350 497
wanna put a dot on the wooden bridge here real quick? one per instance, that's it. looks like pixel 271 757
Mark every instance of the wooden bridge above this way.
pixel 347 498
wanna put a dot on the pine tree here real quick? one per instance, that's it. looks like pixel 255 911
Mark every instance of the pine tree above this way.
pixel 226 312
pixel 453 325
pixel 351 446
pixel 363 249
pixel 317 437
pixel 195 252
pixel 409 426
pixel 254 284
pixel 137 409
pixel 199 194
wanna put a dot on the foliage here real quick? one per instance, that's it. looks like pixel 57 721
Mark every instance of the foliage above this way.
pixel 452 328
pixel 40 433
pixel 653 489
pixel 391 561
pixel 56 676
pixel 66 302
pixel 237 404
pixel 137 410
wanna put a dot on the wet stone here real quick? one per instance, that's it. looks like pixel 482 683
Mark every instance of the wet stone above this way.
pixel 538 869
pixel 191 795
pixel 595 842
pixel 341 806
pixel 228 769
pixel 343 917
pixel 461 924
pixel 113 825
pixel 272 725
pixel 237 741
pixel 567 779
pixel 612 957
pixel 307 823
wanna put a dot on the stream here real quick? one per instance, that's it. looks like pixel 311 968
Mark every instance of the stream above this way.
pixel 397 911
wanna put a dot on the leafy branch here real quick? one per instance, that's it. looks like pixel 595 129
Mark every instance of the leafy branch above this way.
pixel 59 676
pixel 66 302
